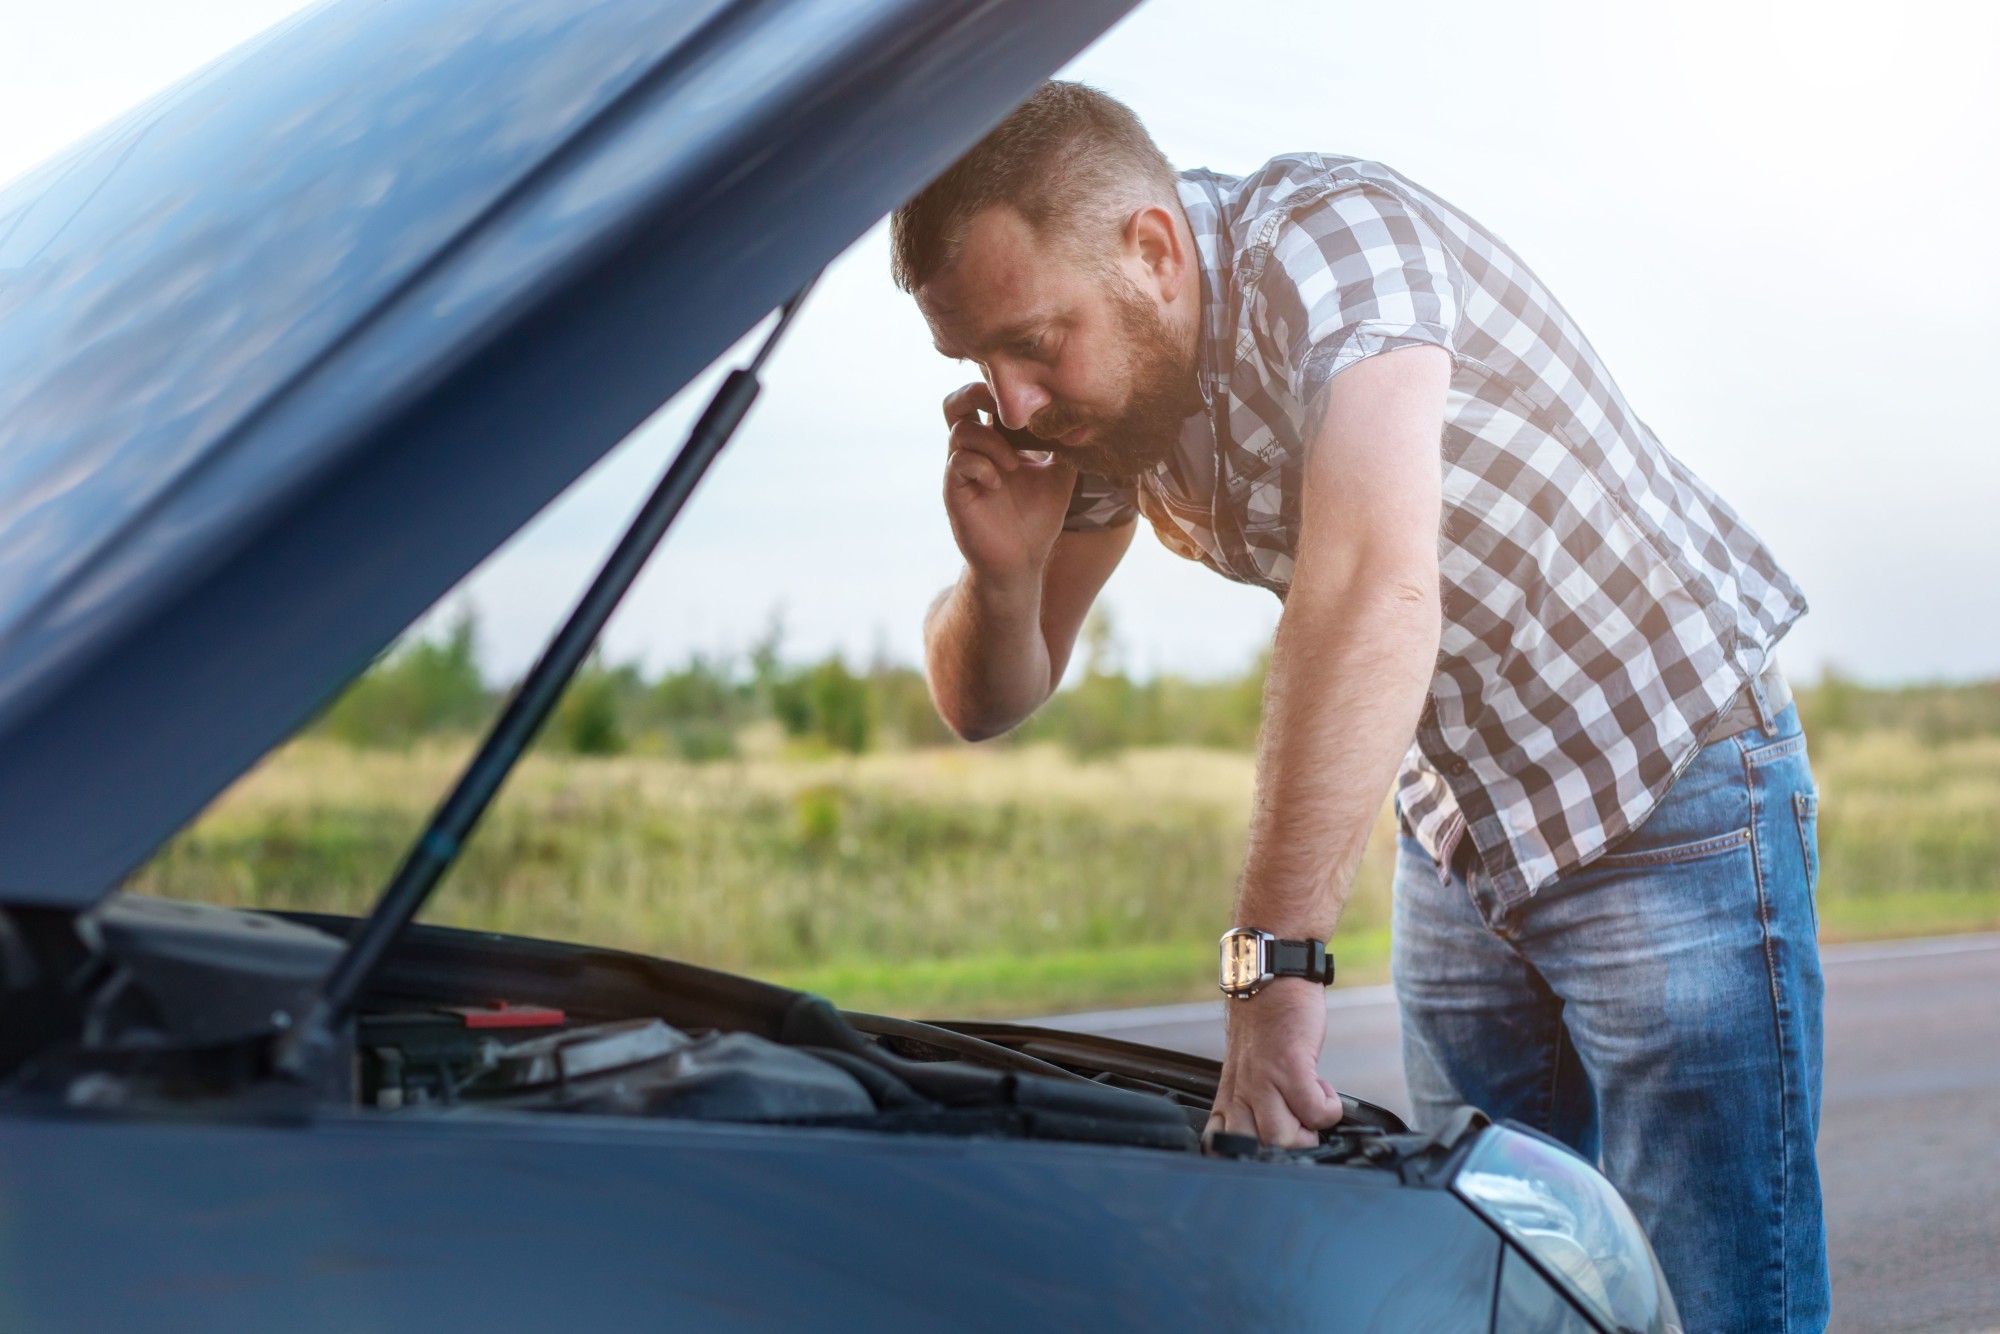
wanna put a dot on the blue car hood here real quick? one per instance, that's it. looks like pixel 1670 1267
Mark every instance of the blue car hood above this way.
pixel 286 351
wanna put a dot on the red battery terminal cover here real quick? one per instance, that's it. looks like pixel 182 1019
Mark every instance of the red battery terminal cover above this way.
pixel 500 1014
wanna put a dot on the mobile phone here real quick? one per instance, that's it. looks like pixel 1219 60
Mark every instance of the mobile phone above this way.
pixel 1019 437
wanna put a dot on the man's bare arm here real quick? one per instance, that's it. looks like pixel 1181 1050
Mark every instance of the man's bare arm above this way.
pixel 996 642
pixel 1350 667
pixel 995 653
pixel 1357 643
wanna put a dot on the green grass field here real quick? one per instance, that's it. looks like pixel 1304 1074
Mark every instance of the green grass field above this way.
pixel 1008 880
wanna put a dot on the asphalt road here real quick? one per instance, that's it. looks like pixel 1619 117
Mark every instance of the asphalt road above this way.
pixel 1909 1138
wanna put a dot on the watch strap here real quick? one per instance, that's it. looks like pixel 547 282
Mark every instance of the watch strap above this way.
pixel 1309 959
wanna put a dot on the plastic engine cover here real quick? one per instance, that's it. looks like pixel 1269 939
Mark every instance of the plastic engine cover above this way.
pixel 717 1077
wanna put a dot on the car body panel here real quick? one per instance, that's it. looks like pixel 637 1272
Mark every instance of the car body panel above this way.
pixel 521 1222
pixel 286 352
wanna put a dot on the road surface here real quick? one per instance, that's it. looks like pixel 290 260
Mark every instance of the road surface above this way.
pixel 1910 1132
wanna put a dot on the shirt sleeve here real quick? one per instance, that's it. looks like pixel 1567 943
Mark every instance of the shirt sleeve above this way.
pixel 1098 503
pixel 1350 275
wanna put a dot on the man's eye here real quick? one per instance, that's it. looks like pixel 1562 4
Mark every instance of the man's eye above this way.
pixel 1030 347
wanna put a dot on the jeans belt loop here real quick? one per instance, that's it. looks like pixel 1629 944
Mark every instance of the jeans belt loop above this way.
pixel 1767 715
pixel 1758 704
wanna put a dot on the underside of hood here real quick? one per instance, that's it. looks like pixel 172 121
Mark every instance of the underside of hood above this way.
pixel 287 351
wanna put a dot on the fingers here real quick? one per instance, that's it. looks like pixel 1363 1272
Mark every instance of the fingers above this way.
pixel 971 436
pixel 1313 1101
pixel 971 468
pixel 1278 1125
pixel 967 401
pixel 1224 1108
pixel 1281 1114
pixel 1267 1120
pixel 1333 1105
pixel 962 408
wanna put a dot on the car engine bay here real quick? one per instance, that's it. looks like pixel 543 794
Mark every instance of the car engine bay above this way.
pixel 145 1005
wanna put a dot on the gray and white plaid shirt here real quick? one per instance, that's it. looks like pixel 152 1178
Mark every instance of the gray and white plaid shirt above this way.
pixel 1602 606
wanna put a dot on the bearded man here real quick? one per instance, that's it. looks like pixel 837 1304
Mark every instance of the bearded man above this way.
pixel 1505 603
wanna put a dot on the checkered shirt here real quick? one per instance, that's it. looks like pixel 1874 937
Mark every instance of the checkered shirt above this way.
pixel 1601 604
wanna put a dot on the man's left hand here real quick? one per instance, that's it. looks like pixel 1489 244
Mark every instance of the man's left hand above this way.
pixel 1270 1079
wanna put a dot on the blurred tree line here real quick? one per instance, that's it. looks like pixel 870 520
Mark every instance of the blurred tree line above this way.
pixel 1932 713
pixel 701 709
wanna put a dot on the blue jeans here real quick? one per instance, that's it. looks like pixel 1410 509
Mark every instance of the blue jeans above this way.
pixel 1659 1011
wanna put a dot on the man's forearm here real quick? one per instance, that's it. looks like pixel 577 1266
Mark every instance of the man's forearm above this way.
pixel 1350 668
pixel 986 656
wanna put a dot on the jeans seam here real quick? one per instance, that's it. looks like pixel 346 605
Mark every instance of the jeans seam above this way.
pixel 1558 1035
pixel 1757 860
pixel 1674 855
pixel 1805 809
pixel 1508 936
pixel 1550 1049
pixel 1772 751
pixel 1547 1121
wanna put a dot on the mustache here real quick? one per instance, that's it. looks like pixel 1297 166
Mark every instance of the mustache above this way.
pixel 1055 421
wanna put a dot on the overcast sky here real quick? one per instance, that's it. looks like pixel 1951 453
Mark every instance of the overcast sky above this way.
pixel 1775 219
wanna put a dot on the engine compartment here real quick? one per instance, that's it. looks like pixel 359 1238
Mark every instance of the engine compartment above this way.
pixel 145 1005
pixel 826 1073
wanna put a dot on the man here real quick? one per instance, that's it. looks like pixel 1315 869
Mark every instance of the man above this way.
pixel 1504 602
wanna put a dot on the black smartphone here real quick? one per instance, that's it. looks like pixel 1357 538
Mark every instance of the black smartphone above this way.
pixel 1018 437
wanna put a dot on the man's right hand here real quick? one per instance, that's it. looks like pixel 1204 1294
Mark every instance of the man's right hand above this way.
pixel 996 643
pixel 1006 509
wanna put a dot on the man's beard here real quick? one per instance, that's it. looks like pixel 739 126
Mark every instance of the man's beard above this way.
pixel 1162 396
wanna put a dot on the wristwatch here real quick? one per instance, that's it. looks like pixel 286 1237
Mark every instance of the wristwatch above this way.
pixel 1250 958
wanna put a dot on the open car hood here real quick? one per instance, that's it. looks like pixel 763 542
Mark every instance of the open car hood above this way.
pixel 288 350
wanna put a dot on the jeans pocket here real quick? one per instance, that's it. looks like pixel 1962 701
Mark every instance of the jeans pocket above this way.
pixel 1674 853
pixel 1806 806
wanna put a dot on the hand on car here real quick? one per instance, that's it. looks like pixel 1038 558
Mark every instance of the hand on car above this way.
pixel 1270 1076
pixel 1006 508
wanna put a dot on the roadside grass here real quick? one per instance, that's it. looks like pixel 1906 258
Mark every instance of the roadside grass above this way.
pixel 1919 913
pixel 971 882
pixel 1060 982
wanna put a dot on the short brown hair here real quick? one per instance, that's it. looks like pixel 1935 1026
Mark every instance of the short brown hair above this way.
pixel 1067 157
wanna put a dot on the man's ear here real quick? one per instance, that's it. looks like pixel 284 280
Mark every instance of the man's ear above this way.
pixel 1154 244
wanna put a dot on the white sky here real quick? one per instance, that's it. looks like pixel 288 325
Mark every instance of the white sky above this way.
pixel 1775 219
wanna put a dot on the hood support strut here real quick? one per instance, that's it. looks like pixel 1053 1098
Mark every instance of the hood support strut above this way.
pixel 302 1052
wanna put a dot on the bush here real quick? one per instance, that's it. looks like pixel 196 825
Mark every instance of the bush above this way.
pixel 588 720
pixel 699 708
pixel 901 703
pixel 827 703
pixel 418 689
pixel 1108 712
pixel 696 711
pixel 1933 713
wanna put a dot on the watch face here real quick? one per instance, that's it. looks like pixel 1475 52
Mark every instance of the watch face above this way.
pixel 1242 961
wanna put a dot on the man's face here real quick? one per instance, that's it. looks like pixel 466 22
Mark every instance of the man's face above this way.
pixel 1078 353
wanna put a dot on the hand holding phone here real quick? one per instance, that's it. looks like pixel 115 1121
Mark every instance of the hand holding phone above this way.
pixel 1023 440
pixel 1006 496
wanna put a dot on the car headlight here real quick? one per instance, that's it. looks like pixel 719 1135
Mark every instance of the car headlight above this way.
pixel 1573 1224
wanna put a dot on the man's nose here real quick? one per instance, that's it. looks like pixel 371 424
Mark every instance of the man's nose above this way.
pixel 1019 398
